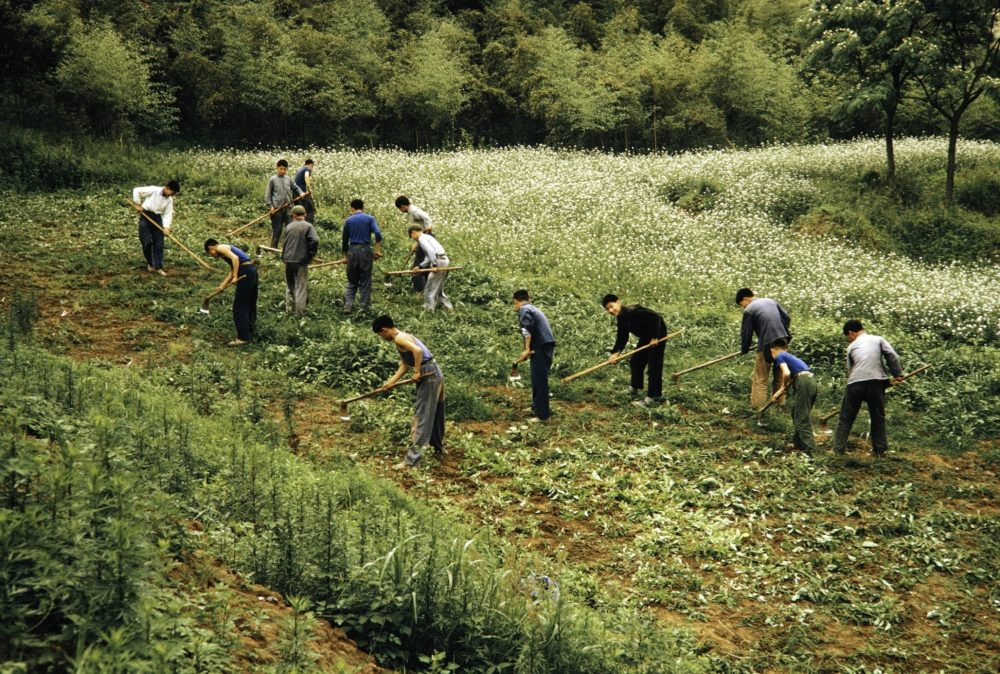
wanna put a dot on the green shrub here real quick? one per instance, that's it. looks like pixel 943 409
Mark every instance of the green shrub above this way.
pixel 979 190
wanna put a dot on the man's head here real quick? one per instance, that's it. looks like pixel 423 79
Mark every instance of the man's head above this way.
pixel 298 212
pixel 281 167
pixel 612 304
pixel 415 231
pixel 403 204
pixel 308 163
pixel 384 327
pixel 171 188
pixel 521 297
pixel 744 296
pixel 357 205
pixel 211 247
pixel 852 329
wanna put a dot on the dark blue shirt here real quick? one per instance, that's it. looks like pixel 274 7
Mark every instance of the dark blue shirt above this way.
pixel 795 365
pixel 533 322
pixel 300 178
pixel 240 254
pixel 358 229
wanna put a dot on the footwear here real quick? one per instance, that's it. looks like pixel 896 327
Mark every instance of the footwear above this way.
pixel 150 268
pixel 347 310
pixel 238 342
pixel 645 402
pixel 631 392
pixel 161 272
pixel 839 450
pixel 402 465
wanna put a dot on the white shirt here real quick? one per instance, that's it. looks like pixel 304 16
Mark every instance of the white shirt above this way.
pixel 433 249
pixel 153 201
pixel 419 217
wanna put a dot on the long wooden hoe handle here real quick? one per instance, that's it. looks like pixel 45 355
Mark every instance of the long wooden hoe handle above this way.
pixel 911 374
pixel 777 396
pixel 420 271
pixel 236 231
pixel 278 252
pixel 631 353
pixel 826 417
pixel 169 235
pixel 376 391
pixel 676 375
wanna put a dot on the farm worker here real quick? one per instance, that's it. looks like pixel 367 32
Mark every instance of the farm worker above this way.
pixel 158 204
pixel 866 382
pixel 539 344
pixel 245 299
pixel 356 243
pixel 647 325
pixel 416 216
pixel 304 181
pixel 279 193
pixel 300 246
pixel 798 380
pixel 428 412
pixel 434 256
pixel 769 321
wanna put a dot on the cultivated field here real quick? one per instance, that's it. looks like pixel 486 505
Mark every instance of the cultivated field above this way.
pixel 683 538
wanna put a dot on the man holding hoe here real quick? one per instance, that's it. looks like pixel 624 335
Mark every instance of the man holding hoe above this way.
pixel 157 204
pixel 647 325
pixel 280 192
pixel 300 246
pixel 539 345
pixel 245 299
pixel 769 321
pixel 428 412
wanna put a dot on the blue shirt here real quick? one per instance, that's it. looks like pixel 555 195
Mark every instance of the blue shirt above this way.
pixel 795 365
pixel 534 323
pixel 300 178
pixel 358 230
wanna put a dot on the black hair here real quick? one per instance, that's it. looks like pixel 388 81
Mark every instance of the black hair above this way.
pixel 610 297
pixel 357 204
pixel 282 162
pixel 414 228
pixel 308 162
pixel 209 243
pixel 522 295
pixel 853 325
pixel 402 201
pixel 174 186
pixel 742 294
pixel 383 321
pixel 779 344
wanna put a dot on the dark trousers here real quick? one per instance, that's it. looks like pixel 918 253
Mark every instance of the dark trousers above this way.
pixel 245 303
pixel 310 207
pixel 151 239
pixel 871 392
pixel 419 280
pixel 653 357
pixel 802 395
pixel 359 274
pixel 278 222
pixel 541 363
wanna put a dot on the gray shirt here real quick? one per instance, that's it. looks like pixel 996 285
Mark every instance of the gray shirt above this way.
pixel 767 319
pixel 301 242
pixel 864 359
pixel 433 250
pixel 280 191
pixel 418 216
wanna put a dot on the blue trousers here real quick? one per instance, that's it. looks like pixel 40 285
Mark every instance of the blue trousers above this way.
pixel 245 303
pixel 541 363
pixel 278 222
pixel 151 239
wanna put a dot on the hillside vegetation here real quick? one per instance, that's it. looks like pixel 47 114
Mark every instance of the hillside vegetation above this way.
pixel 684 538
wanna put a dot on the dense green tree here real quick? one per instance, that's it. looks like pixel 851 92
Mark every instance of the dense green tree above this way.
pixel 957 58
pixel 863 43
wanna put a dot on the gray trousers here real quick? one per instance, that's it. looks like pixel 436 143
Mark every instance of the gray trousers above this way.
pixel 296 287
pixel 359 275
pixel 434 288
pixel 428 412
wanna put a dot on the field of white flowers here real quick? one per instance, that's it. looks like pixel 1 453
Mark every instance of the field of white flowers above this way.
pixel 608 219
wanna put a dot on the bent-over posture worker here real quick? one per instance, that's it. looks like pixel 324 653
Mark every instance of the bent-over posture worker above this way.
pixel 428 412
pixel 157 204
pixel 416 216
pixel 866 382
pixel 245 297
pixel 434 256
pixel 769 321
pixel 798 380
pixel 539 345
pixel 647 325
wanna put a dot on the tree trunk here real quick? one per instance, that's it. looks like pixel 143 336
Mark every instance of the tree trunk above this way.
pixel 949 185
pixel 890 150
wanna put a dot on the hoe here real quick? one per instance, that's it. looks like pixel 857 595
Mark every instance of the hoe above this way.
pixel 622 357
pixel 234 232
pixel 204 302
pixel 824 420
pixel 344 416
pixel 514 374
pixel 677 375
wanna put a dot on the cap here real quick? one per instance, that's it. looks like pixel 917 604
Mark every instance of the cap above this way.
pixel 298 210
